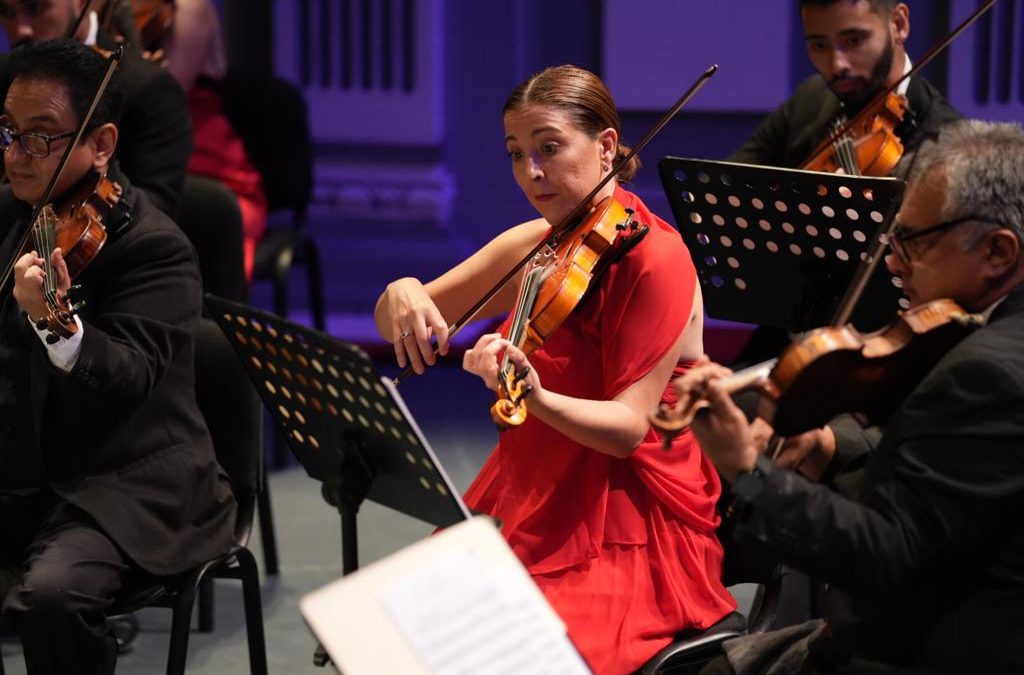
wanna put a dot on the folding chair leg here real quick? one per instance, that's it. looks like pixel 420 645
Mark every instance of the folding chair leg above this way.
pixel 266 518
pixel 181 622
pixel 253 612
pixel 205 623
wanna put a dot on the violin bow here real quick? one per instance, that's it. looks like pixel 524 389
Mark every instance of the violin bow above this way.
pixel 113 61
pixel 559 230
pixel 859 283
pixel 925 60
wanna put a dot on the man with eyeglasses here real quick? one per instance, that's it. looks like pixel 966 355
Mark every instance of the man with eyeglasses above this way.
pixel 156 130
pixel 106 466
pixel 925 562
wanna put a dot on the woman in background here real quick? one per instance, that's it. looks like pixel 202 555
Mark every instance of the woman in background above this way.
pixel 194 54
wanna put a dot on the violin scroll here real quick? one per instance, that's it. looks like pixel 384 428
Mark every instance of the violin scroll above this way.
pixel 60 321
pixel 510 408
pixel 670 421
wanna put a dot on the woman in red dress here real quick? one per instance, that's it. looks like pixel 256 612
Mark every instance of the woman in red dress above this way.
pixel 617 533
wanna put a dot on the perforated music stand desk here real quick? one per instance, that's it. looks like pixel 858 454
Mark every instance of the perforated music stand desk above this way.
pixel 778 247
pixel 345 423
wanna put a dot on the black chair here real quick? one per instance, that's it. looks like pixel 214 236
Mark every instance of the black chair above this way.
pixel 270 116
pixel 210 217
pixel 232 410
pixel 691 651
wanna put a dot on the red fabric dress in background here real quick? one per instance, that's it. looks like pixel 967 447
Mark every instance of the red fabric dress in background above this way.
pixel 218 153
pixel 624 549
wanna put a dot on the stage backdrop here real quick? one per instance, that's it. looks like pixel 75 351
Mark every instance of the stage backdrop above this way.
pixel 653 50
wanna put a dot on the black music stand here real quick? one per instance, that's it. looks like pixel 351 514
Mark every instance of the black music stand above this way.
pixel 778 247
pixel 345 423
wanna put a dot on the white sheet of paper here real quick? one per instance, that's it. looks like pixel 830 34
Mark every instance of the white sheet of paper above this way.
pixel 459 619
pixel 457 602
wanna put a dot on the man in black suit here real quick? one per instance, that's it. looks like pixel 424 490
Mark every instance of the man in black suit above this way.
pixel 156 130
pixel 106 466
pixel 925 563
pixel 858 49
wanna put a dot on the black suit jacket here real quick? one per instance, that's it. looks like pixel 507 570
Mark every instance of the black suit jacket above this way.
pixel 789 135
pixel 155 139
pixel 121 436
pixel 926 562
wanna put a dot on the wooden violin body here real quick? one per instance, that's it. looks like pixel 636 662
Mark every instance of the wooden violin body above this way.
pixel 82 219
pixel 837 370
pixel 579 258
pixel 870 147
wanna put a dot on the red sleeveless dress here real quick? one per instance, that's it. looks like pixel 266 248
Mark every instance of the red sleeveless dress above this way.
pixel 624 549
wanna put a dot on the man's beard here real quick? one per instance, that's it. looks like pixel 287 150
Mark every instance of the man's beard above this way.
pixel 879 74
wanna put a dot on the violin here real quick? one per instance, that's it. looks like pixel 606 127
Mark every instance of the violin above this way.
pixel 554 285
pixel 837 370
pixel 868 145
pixel 79 228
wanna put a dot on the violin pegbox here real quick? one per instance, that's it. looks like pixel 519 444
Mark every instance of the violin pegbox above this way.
pixel 630 234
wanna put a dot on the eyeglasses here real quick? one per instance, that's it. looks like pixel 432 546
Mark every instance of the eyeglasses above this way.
pixel 899 238
pixel 34 143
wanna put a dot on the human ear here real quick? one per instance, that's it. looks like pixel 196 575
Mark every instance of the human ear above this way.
pixel 104 140
pixel 899 23
pixel 1002 252
pixel 608 141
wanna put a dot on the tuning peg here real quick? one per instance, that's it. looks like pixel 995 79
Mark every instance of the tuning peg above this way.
pixel 52 338
pixel 523 393
pixel 627 223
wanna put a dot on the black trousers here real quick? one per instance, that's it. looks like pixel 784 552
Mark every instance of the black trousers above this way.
pixel 62 572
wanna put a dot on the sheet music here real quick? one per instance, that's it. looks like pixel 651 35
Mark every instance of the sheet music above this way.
pixel 461 618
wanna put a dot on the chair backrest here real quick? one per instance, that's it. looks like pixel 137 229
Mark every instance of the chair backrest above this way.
pixel 233 413
pixel 209 216
pixel 271 117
